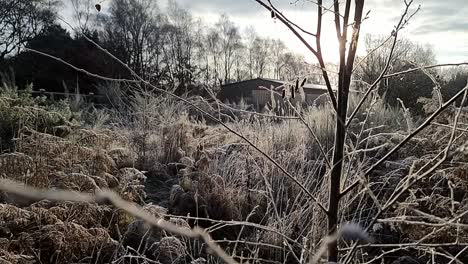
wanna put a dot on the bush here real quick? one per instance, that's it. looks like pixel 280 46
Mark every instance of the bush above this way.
pixel 18 109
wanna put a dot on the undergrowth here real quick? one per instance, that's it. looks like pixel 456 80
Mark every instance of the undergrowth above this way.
pixel 181 167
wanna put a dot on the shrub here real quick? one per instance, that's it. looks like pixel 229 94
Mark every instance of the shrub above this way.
pixel 18 109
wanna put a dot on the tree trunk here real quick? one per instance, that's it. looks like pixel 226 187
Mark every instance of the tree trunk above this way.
pixel 346 70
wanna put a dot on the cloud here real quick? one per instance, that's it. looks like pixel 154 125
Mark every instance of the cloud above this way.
pixel 431 27
pixel 439 23
pixel 442 16
pixel 241 7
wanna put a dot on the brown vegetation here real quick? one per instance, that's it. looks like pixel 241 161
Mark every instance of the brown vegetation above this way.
pixel 375 185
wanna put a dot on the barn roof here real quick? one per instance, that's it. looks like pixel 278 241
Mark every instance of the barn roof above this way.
pixel 308 86
pixel 250 80
pixel 279 82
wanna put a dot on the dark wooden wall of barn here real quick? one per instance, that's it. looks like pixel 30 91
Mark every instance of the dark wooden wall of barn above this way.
pixel 234 92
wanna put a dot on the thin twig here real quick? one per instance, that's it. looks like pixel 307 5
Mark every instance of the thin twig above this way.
pixel 395 74
pixel 308 46
pixel 104 197
pixel 215 120
pixel 276 12
pixel 409 137
pixel 403 21
pixel 79 69
pixel 398 193
pixel 322 150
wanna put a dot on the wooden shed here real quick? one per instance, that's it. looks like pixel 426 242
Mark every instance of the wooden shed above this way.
pixel 256 92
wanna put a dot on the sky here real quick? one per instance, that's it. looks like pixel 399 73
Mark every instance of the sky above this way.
pixel 440 24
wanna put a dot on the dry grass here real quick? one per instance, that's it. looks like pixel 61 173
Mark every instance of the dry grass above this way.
pixel 245 202
pixel 80 160
pixel 223 179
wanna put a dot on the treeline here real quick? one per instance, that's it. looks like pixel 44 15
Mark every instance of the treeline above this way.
pixel 171 48
pixel 413 90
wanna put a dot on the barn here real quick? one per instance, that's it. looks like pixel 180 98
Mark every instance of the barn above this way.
pixel 255 92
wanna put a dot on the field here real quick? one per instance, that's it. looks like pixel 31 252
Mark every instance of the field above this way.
pixel 178 167
pixel 142 131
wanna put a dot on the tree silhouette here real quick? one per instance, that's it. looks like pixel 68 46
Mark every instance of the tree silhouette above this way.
pixel 21 21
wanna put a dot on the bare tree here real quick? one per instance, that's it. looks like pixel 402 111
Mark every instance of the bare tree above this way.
pixel 179 46
pixel 406 54
pixel 249 39
pixel 347 55
pixel 378 48
pixel 230 42
pixel 278 49
pixel 292 66
pixel 261 57
pixel 214 49
pixel 132 32
pixel 82 13
pixel 21 21
pixel 240 59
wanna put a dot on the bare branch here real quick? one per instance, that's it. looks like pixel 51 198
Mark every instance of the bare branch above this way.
pixel 319 55
pixel 425 68
pixel 403 21
pixel 276 12
pixel 372 52
pixel 320 5
pixel 314 51
pixel 418 130
pixel 408 138
pixel 155 88
pixel 286 23
pixel 113 198
pixel 322 150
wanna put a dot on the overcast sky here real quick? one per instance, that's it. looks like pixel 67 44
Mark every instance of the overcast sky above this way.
pixel 441 24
